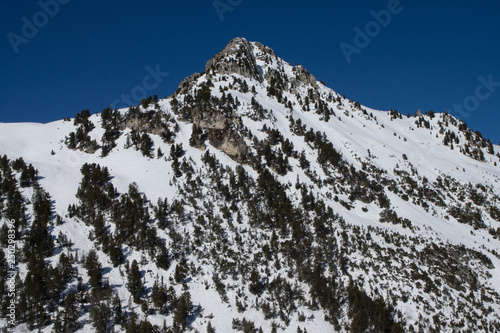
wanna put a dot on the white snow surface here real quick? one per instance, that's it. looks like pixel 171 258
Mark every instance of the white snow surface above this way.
pixel 352 133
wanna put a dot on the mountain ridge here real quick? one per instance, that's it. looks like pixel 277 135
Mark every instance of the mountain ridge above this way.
pixel 247 164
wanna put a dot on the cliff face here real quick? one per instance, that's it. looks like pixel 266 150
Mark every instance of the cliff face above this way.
pixel 236 58
pixel 221 130
pixel 216 119
pixel 304 77
pixel 250 60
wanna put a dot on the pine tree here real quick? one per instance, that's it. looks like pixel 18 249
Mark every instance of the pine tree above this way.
pixel 115 252
pixel 70 141
pixel 128 142
pixel 491 151
pixel 256 285
pixel 101 315
pixel 159 296
pixel 134 284
pixel 163 257
pixel 181 270
pixel 183 310
pixel 194 140
pixel 210 329
pixel 70 315
pixel 93 266
pixel 57 326
pixel 132 326
pixel 146 145
pixel 117 309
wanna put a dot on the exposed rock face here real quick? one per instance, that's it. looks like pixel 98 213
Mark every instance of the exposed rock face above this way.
pixel 265 49
pixel 216 121
pixel 239 57
pixel 220 125
pixel 236 58
pixel 206 117
pixel 220 133
pixel 186 84
pixel 220 130
pixel 230 142
pixel 303 76
pixel 143 125
pixel 90 149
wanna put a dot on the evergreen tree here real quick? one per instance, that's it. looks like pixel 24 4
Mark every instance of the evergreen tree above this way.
pixel 57 326
pixel 197 137
pixel 210 329
pixel 183 311
pixel 117 309
pixel 101 316
pixel 181 270
pixel 70 313
pixel 94 268
pixel 159 297
pixel 134 284
pixel 256 286
pixel 146 145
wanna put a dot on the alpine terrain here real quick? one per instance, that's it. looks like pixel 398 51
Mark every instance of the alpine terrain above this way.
pixel 253 199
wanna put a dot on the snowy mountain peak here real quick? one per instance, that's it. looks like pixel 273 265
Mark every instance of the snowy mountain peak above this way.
pixel 254 196
pixel 236 58
pixel 256 61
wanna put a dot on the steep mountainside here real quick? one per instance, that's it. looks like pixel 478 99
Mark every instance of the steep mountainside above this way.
pixel 253 198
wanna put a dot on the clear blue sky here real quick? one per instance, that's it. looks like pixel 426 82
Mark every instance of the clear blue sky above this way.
pixel 89 53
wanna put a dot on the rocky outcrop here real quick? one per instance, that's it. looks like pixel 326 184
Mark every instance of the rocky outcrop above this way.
pixel 144 125
pixel 230 142
pixel 220 132
pixel 303 76
pixel 265 50
pixel 236 58
pixel 220 129
pixel 215 121
pixel 186 84
pixel 206 117
pixel 151 122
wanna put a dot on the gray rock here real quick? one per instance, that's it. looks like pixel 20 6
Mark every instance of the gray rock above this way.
pixel 236 58
pixel 303 76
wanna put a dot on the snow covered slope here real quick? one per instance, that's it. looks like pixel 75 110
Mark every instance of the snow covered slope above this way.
pixel 254 197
